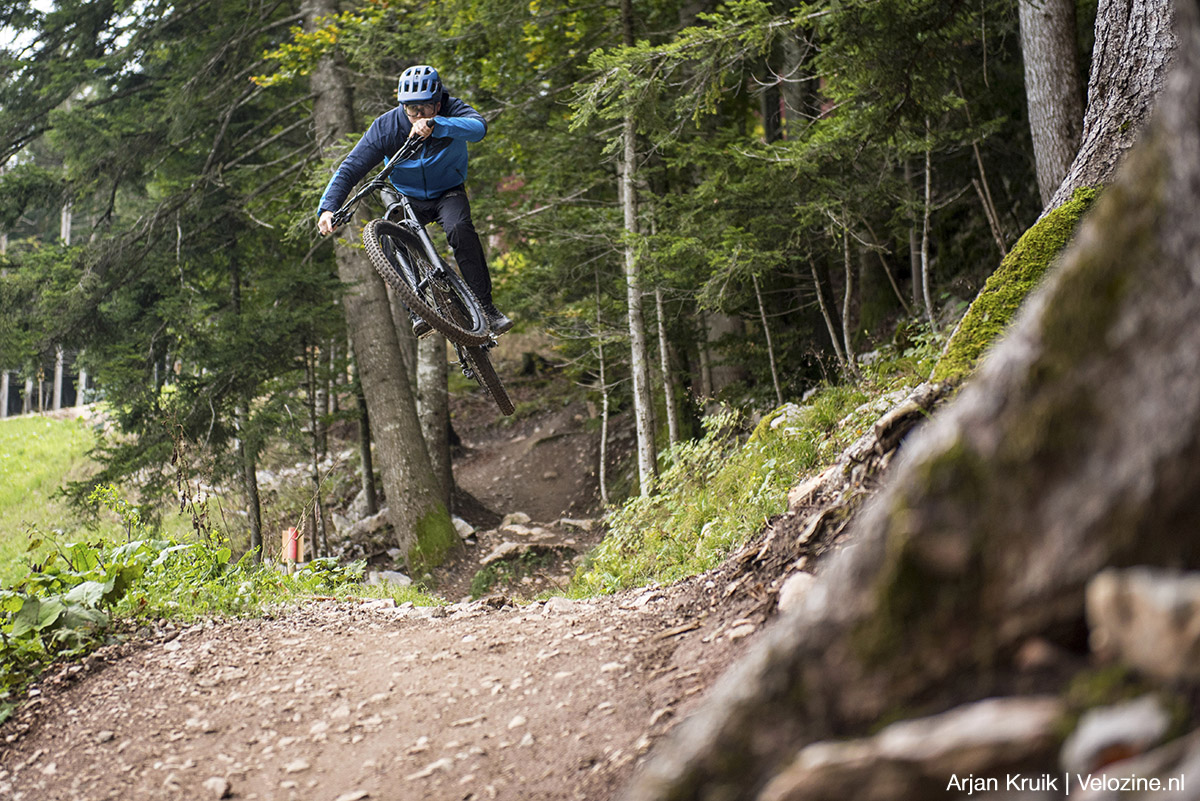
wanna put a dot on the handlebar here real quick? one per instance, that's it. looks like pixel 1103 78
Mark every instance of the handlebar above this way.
pixel 406 151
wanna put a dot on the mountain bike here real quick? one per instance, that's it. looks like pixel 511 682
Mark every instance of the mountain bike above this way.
pixel 403 253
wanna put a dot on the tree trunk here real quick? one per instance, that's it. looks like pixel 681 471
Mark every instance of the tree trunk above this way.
pixel 419 518
pixel 927 210
pixel 914 242
pixel 249 466
pixel 771 107
pixel 64 234
pixel 433 407
pixel 1076 447
pixel 56 397
pixel 333 406
pixel 320 400
pixel 320 538
pixel 639 356
pixel 762 316
pixel 1134 47
pixel 366 462
pixel 664 355
pixel 704 358
pixel 833 334
pixel 604 393
pixel 409 347
pixel 1053 91
pixel 796 91
pixel 847 305
pixel 723 371
pixel 245 450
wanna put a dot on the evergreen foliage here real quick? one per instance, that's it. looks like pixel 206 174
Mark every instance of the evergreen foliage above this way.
pixel 781 149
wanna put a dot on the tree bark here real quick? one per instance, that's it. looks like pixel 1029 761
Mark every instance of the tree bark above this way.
pixel 602 468
pixel 333 406
pixel 320 537
pixel 704 358
pixel 914 242
pixel 249 466
pixel 1135 44
pixel 926 212
pixel 833 334
pixel 1053 91
pixel 57 391
pixel 320 400
pixel 847 305
pixel 409 349
pixel 433 407
pixel 245 450
pixel 366 461
pixel 762 316
pixel 664 356
pixel 1076 447
pixel 419 518
pixel 722 371
pixel 639 355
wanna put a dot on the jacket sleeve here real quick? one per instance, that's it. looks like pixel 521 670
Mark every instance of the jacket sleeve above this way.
pixel 459 120
pixel 362 159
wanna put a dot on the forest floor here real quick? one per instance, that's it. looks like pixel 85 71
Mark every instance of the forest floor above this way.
pixel 341 701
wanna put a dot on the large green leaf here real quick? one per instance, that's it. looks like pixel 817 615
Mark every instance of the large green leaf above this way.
pixel 90 593
pixel 36 615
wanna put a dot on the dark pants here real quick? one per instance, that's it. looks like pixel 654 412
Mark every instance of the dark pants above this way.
pixel 453 212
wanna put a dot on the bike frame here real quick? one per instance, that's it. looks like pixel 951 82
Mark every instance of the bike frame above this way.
pixel 408 217
pixel 400 212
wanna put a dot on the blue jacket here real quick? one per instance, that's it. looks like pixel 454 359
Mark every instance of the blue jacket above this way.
pixel 439 166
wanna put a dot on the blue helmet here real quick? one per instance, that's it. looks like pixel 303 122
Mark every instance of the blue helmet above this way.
pixel 419 84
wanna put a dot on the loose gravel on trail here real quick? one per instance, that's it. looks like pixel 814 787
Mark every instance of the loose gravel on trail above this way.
pixel 345 701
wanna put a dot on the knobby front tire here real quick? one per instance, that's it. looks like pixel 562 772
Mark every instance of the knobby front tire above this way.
pixel 448 305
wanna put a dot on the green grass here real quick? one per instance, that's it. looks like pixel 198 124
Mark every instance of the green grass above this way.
pixel 37 456
pixel 717 492
pixel 66 601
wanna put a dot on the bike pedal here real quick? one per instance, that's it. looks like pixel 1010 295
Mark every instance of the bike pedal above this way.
pixel 421 329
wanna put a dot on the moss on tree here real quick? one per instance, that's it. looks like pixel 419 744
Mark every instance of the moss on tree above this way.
pixel 1006 289
pixel 436 538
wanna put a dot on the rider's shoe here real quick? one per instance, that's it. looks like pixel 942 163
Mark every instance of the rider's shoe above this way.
pixel 420 327
pixel 497 321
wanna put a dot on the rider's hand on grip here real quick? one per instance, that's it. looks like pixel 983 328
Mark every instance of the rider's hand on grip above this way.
pixel 326 223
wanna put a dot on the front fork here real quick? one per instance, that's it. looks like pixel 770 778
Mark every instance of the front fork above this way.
pixel 465 363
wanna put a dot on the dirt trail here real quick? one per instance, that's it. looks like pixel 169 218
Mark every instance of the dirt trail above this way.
pixel 340 701
pixel 348 701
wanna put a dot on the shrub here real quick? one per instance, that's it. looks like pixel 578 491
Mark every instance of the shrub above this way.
pixel 65 604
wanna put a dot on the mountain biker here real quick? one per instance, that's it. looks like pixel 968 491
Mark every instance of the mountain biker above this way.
pixel 432 180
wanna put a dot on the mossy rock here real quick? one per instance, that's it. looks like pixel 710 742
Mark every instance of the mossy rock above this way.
pixel 1006 289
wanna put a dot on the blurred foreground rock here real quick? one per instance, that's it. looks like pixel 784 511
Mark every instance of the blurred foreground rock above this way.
pixel 1074 448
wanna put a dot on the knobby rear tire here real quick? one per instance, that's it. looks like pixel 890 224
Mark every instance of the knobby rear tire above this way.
pixel 452 310
pixel 485 373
